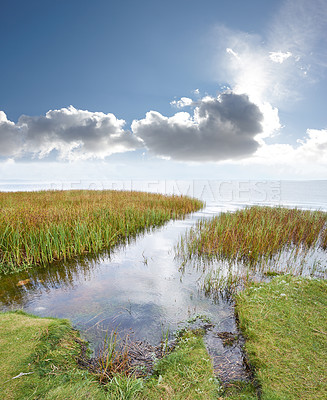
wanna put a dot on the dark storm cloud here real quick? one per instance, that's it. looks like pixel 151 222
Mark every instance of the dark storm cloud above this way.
pixel 71 133
pixel 221 128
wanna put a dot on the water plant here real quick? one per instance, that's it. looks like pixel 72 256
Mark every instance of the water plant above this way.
pixel 113 358
pixel 37 228
pixel 233 247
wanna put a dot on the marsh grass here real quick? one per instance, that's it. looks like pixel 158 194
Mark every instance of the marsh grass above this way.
pixel 37 228
pixel 283 320
pixel 113 359
pixel 234 248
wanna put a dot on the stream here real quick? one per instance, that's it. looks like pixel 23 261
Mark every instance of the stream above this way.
pixel 138 289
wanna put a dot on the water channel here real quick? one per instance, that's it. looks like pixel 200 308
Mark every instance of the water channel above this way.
pixel 137 289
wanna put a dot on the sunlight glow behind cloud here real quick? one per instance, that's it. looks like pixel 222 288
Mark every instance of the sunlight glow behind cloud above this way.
pixel 257 76
pixel 220 128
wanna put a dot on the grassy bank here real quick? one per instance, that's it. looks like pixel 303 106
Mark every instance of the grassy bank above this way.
pixel 285 324
pixel 46 351
pixel 39 227
pixel 285 320
pixel 186 373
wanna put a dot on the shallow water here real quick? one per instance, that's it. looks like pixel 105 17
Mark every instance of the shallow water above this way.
pixel 138 290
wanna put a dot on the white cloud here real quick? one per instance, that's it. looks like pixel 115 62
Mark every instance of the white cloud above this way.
pixel 310 152
pixel 256 65
pixel 220 128
pixel 183 102
pixel 279 56
pixel 70 133
pixel 313 148
pixel 232 52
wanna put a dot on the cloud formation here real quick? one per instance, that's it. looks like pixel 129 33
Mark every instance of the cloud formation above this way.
pixel 279 56
pixel 220 128
pixel 183 102
pixel 275 69
pixel 70 133
pixel 10 137
pixel 310 153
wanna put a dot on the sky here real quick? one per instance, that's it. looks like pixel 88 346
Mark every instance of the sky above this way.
pixel 183 89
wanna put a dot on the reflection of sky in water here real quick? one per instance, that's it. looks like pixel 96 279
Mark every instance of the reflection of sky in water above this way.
pixel 139 287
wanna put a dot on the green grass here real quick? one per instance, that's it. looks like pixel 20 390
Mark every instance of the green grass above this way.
pixel 240 391
pixel 186 373
pixel 47 349
pixel 39 227
pixel 285 324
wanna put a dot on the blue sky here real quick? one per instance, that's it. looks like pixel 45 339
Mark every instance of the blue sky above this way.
pixel 163 90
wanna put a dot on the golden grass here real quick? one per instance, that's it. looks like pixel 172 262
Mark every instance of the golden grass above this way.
pixel 255 234
pixel 39 227
pixel 233 248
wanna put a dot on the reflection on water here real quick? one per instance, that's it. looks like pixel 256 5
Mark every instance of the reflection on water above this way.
pixel 136 289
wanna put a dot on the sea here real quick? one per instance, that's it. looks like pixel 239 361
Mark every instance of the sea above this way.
pixel 302 194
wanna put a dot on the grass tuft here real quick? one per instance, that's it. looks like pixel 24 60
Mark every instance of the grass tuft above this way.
pixel 256 241
pixel 186 373
pixel 37 228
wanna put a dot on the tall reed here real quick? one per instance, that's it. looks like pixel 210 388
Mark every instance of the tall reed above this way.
pixel 39 227
pixel 252 240
pixel 256 233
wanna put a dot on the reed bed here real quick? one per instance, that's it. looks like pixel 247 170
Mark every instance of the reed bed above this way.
pixel 252 240
pixel 37 228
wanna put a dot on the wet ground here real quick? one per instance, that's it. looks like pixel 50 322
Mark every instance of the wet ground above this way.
pixel 137 290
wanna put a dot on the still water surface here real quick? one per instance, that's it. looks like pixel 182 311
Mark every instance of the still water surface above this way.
pixel 138 289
